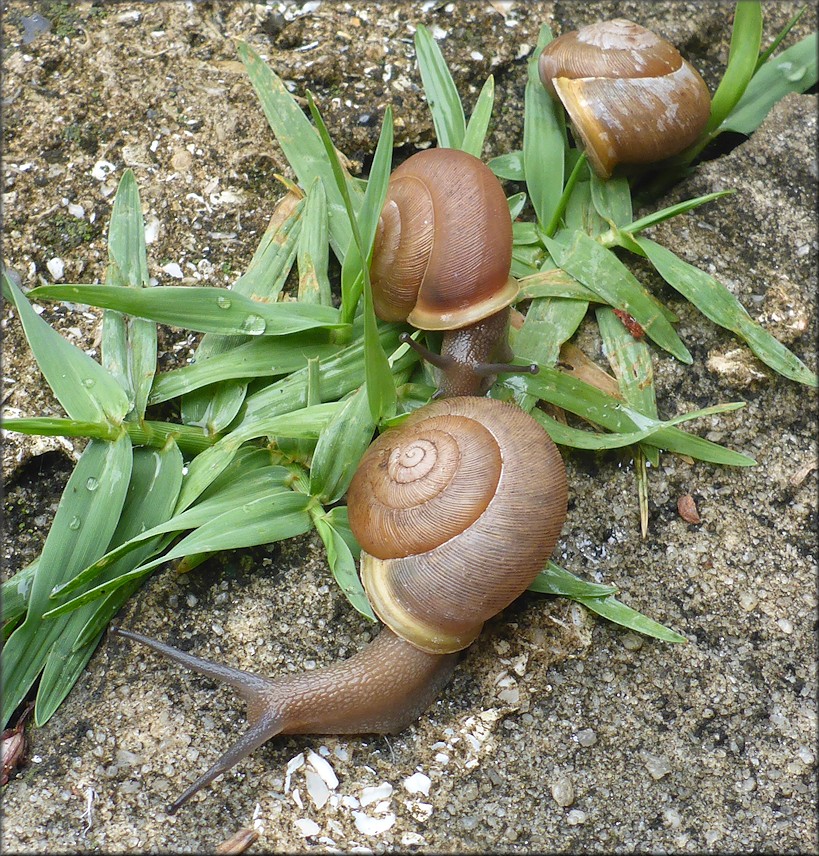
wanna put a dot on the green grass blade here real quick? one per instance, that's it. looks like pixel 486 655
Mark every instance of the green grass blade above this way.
pixel 312 256
pixel 580 213
pixel 601 271
pixel 199 308
pixel 555 282
pixel 263 281
pixel 597 407
pixel 340 447
pixel 16 591
pixel 576 438
pixel 83 524
pixel 630 360
pixel 276 517
pixel 265 482
pixel 714 300
pixel 155 479
pixel 267 356
pixel 377 372
pixel 617 612
pixel 578 170
pixel 793 70
pixel 611 198
pixel 549 322
pixel 83 387
pixel 52 426
pixel 439 89
pixel 667 213
pixel 340 375
pixel 128 344
pixel 544 141
pixel 287 419
pixel 766 54
pixel 557 581
pixel 478 125
pixel 301 145
pixel 517 203
pixel 509 166
pixel 746 38
pixel 342 554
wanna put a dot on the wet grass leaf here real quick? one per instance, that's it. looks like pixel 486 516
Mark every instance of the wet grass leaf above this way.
pixel 478 124
pixel 342 555
pixel 544 140
pixel 85 520
pixel 83 387
pixel 204 309
pixel 301 145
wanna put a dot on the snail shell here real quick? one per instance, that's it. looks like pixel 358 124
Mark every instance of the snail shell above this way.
pixel 629 94
pixel 456 510
pixel 443 247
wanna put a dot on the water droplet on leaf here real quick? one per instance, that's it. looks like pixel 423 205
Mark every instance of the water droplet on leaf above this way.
pixel 91 483
pixel 75 523
pixel 254 325
pixel 223 302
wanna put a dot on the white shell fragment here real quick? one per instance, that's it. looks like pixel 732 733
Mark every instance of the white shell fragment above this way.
pixel 323 768
pixel 374 794
pixel 367 825
pixel 418 783
pixel 317 788
pixel 173 269
pixel 307 827
pixel 102 169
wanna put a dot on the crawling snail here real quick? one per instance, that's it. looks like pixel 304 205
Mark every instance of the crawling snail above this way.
pixel 630 95
pixel 437 505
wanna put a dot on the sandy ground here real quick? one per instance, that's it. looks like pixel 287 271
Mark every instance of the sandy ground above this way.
pixel 559 732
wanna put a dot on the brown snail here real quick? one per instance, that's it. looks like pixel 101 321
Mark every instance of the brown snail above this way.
pixel 468 471
pixel 437 505
pixel 630 95
pixel 441 261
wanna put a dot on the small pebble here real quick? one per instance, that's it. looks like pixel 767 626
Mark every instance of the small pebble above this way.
pixel 587 737
pixel 56 267
pixel 575 817
pixel 656 765
pixel 563 792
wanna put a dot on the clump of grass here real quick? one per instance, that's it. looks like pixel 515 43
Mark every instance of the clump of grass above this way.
pixel 274 415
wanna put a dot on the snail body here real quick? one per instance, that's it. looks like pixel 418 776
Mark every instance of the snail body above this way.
pixel 630 95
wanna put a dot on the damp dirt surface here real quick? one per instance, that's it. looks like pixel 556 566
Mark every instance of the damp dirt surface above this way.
pixel 560 732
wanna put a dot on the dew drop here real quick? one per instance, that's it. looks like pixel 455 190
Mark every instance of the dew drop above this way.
pixel 88 382
pixel 75 523
pixel 223 302
pixel 796 75
pixel 254 325
pixel 91 483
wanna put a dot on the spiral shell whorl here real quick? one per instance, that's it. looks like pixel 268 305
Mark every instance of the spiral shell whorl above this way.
pixel 438 599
